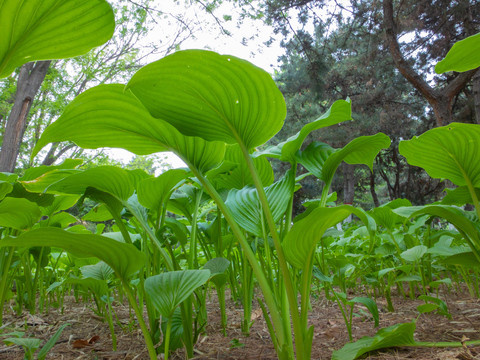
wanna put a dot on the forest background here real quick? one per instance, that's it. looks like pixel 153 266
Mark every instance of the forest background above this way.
pixel 380 54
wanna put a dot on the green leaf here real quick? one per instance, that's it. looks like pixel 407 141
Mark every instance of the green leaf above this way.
pixel 456 217
pixel 124 259
pixel 98 213
pixel 371 305
pixel 35 172
pixel 415 253
pixel 239 176
pixel 467 259
pixel 29 344
pixel 245 205
pixel 51 29
pixel 459 196
pixel 153 192
pixel 109 179
pixel 341 110
pixel 361 150
pixel 42 354
pixel 300 242
pixel 218 267
pixel 463 56
pixel 61 220
pixel 314 156
pixel 396 335
pixel 61 202
pixel 115 118
pixel 170 289
pixel 19 214
pixel 448 152
pixel 99 271
pixel 215 97
pixel 96 286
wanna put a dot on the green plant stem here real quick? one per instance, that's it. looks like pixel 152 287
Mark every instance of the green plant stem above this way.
pixel 167 337
pixel 442 344
pixel 151 235
pixel 238 233
pixel 110 323
pixel 291 294
pixel 192 263
pixel 4 280
pixel 146 334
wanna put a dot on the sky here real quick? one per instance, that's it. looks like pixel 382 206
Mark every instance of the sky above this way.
pixel 246 39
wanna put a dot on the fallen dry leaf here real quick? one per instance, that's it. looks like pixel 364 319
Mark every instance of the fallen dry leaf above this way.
pixel 82 343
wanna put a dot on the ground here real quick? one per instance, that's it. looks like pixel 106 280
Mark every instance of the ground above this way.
pixel 330 331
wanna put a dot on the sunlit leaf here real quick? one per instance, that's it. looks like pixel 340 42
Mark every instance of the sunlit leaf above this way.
pixel 239 176
pixel 463 56
pixel 153 192
pixel 216 97
pixel 48 29
pixel 340 111
pixel 361 150
pixel 18 213
pixel 115 118
pixel 448 152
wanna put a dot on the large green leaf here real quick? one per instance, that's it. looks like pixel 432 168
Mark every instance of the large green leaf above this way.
pixel 300 242
pixel 111 116
pixel 109 179
pixel 463 56
pixel 459 196
pixel 216 97
pixel 18 213
pixel 415 253
pixel 51 29
pixel 341 110
pixel 153 192
pixel 396 335
pixel 124 259
pixel 448 152
pixel 314 156
pixel 361 150
pixel 170 289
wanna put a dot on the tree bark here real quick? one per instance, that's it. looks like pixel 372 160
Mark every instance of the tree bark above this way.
pixel 476 96
pixel 439 99
pixel 376 202
pixel 29 80
pixel 348 183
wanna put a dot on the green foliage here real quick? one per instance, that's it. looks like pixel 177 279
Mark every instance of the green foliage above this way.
pixel 396 335
pixel 212 96
pixel 42 30
pixel 462 56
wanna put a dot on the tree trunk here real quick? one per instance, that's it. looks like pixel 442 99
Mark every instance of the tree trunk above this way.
pixel 439 99
pixel 372 190
pixel 29 80
pixel 476 96
pixel 348 183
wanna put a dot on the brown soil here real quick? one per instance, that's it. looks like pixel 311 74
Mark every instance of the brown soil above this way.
pixel 330 331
